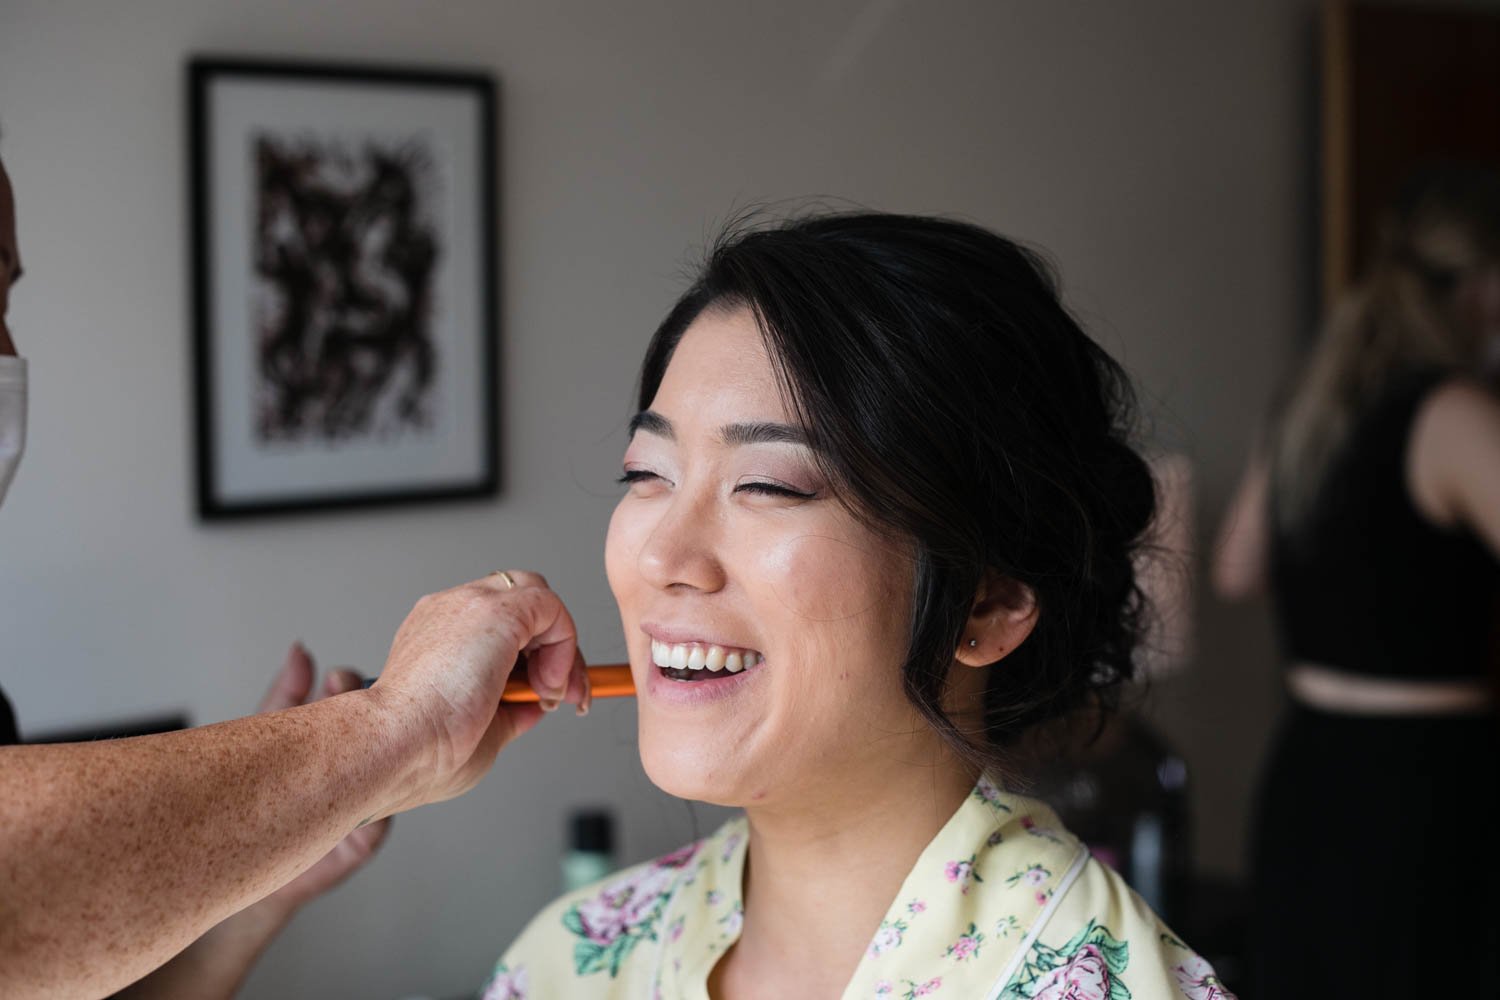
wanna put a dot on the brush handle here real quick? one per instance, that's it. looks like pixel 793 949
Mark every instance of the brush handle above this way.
pixel 609 680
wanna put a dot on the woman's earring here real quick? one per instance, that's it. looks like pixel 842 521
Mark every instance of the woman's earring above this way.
pixel 973 643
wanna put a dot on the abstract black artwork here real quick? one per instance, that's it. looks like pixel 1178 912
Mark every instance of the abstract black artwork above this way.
pixel 344 261
pixel 344 275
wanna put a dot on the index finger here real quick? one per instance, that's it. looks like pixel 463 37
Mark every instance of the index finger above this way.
pixel 550 643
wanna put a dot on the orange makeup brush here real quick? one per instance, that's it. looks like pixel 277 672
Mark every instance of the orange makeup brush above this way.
pixel 609 680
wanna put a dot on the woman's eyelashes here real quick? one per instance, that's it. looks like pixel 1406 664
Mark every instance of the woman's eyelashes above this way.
pixel 636 476
pixel 759 487
pixel 773 490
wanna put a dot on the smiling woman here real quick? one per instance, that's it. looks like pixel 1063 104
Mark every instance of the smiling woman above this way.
pixel 879 518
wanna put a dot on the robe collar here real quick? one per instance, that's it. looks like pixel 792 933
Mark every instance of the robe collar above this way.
pixel 963 920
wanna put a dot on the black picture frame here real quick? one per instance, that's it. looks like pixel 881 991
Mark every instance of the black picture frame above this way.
pixel 293 411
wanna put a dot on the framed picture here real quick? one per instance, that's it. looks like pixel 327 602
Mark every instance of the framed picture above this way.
pixel 343 236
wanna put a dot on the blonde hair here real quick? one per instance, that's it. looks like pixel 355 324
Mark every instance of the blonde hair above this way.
pixel 1400 318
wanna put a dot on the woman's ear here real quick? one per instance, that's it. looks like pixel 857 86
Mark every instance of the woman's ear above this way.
pixel 1003 615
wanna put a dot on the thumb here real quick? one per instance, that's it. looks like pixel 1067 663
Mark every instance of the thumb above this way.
pixel 292 682
pixel 342 680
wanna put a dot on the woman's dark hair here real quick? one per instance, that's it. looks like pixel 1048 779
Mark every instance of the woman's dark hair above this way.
pixel 952 401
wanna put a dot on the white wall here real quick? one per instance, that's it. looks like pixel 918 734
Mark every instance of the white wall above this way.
pixel 1158 149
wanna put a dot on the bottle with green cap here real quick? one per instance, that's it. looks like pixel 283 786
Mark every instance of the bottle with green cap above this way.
pixel 591 848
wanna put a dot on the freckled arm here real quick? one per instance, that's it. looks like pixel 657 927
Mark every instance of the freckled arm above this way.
pixel 114 856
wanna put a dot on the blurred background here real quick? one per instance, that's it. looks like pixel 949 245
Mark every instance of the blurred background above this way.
pixel 1170 155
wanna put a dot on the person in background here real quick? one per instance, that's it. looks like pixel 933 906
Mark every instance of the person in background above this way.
pixel 118 855
pixel 1372 513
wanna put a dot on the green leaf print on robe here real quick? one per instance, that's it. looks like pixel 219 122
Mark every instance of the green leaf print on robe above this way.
pixel 624 913
pixel 1088 967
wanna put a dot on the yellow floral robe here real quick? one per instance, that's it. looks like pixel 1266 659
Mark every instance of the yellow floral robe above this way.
pixel 1002 904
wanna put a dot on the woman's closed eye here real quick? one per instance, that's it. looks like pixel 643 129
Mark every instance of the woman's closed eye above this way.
pixel 760 487
pixel 636 476
pixel 773 489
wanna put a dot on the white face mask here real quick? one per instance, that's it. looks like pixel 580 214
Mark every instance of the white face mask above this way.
pixel 12 418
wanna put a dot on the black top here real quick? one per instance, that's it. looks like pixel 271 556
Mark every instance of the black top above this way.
pixel 1370 586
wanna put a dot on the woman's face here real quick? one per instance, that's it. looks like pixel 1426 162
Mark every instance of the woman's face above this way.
pixel 729 549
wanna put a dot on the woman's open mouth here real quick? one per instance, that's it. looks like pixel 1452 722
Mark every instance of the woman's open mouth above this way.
pixel 693 662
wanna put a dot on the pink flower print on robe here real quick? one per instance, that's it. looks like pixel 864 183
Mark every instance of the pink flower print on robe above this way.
pixel 914 990
pixel 986 790
pixel 1032 875
pixel 508 984
pixel 625 905
pixel 961 873
pixel 1045 832
pixel 1084 977
pixel 623 913
pixel 967 944
pixel 1198 981
pixel 887 938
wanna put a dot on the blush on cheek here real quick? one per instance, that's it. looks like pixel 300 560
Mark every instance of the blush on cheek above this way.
pixel 823 578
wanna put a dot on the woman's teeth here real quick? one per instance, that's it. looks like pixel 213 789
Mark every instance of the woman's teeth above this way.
pixel 696 662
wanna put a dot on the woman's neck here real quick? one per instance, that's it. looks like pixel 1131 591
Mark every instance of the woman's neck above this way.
pixel 821 875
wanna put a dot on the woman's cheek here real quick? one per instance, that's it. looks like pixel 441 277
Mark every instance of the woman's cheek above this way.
pixel 622 546
pixel 822 577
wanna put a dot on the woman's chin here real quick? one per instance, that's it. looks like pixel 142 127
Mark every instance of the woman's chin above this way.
pixel 696 775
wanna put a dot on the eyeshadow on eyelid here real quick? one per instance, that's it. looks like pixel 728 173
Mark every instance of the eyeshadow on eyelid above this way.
pixel 802 478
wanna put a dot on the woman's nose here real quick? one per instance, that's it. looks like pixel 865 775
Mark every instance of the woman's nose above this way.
pixel 683 549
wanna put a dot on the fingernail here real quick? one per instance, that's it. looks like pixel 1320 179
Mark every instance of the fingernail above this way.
pixel 550 704
pixel 582 710
pixel 551 694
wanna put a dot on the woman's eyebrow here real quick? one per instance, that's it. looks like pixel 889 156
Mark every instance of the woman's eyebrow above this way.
pixel 760 432
pixel 652 423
